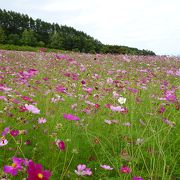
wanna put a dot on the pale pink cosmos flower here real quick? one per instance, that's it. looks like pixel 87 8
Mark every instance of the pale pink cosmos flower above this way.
pixel 115 94
pixel 82 68
pixel 74 106
pixel 109 81
pixel 178 72
pixel 108 121
pixel 83 171
pixel 116 108
pixel 89 103
pixel 3 98
pixel 32 108
pixel 3 141
pixel 126 124
pixel 106 167
pixel 170 123
pixel 41 120
pixel 111 121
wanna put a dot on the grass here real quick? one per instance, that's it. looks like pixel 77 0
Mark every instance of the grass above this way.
pixel 140 138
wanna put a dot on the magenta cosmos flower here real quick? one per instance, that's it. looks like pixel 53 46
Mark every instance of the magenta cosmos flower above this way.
pixel 106 167
pixel 32 109
pixel 61 89
pixel 60 144
pixel 83 171
pixel 125 170
pixel 14 132
pixel 16 165
pixel 36 172
pixel 71 117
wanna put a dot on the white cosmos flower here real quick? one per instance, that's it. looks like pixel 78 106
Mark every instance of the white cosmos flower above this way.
pixel 121 100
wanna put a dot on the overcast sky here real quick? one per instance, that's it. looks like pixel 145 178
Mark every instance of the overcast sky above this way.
pixel 144 24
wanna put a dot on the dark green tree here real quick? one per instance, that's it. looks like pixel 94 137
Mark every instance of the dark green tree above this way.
pixel 13 39
pixel 56 41
pixel 28 38
pixel 2 35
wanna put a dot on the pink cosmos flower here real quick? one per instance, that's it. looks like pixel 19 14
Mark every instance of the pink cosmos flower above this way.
pixel 106 167
pixel 26 98
pixel 82 68
pixel 162 110
pixel 36 172
pixel 115 94
pixel 170 95
pixel 109 81
pixel 133 90
pixel 27 142
pixel 97 106
pixel 32 109
pixel 5 131
pixel 15 101
pixel 22 109
pixel 41 120
pixel 137 178
pixel 71 117
pixel 46 79
pixel 16 165
pixel 83 171
pixel 83 82
pixel 14 132
pixel 166 121
pixel 125 170
pixel 4 88
pixel 60 144
pixel 177 72
pixel 88 90
pixel 89 103
pixel 32 72
pixel 108 106
pixel 61 89
pixel 3 98
pixel 87 110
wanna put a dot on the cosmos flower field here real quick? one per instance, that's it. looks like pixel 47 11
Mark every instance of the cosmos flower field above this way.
pixel 86 116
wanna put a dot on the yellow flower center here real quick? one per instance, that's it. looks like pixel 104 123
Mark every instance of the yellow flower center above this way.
pixel 14 165
pixel 40 176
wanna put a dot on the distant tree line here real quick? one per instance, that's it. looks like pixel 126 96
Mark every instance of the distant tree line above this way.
pixel 20 29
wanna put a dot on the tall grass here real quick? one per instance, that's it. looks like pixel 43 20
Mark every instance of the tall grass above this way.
pixel 140 138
